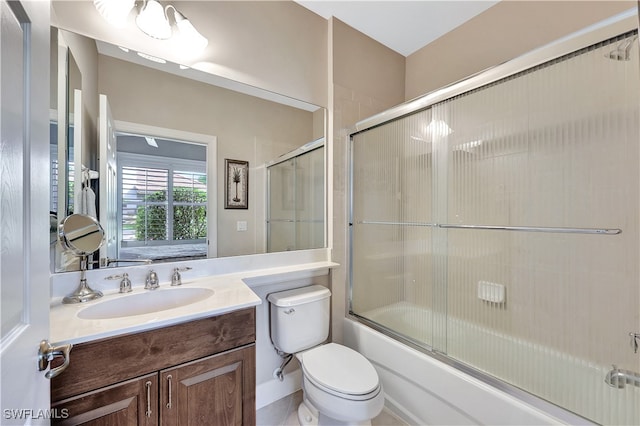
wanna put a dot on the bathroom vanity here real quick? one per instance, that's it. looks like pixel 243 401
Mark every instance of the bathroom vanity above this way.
pixel 181 374
pixel 194 364
pixel 174 355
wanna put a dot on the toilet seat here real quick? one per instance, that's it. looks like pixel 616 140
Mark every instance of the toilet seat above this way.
pixel 340 371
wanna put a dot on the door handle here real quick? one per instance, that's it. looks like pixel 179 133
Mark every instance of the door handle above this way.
pixel 47 353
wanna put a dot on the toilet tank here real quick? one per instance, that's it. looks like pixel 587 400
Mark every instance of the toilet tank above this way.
pixel 299 318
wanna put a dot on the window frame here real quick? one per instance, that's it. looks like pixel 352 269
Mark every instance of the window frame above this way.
pixel 171 165
pixel 211 143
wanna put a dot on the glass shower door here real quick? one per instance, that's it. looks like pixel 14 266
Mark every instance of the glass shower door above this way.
pixel 552 155
pixel 310 198
pixel 296 207
pixel 281 226
pixel 500 228
pixel 392 266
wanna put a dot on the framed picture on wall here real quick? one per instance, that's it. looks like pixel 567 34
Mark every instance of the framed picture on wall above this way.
pixel 236 184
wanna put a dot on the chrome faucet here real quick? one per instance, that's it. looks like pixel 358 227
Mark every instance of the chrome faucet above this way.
pixel 125 283
pixel 176 279
pixel 152 281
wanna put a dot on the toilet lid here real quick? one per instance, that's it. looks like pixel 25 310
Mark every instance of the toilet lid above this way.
pixel 340 369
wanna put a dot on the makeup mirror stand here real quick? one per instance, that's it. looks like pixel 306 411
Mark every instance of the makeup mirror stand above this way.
pixel 83 293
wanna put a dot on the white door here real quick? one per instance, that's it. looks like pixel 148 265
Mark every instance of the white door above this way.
pixel 24 219
pixel 108 180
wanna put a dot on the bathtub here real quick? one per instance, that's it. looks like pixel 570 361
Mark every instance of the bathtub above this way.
pixel 435 390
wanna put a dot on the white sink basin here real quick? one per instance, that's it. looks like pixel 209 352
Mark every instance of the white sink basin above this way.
pixel 145 303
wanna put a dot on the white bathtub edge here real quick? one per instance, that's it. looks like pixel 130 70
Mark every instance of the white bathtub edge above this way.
pixel 432 392
pixel 400 411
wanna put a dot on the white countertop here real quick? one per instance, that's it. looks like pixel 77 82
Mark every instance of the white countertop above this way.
pixel 231 293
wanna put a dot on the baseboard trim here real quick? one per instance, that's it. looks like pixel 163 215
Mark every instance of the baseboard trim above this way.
pixel 273 390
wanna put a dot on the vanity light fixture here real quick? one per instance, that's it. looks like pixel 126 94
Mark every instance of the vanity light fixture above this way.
pixel 152 19
pixel 115 12
pixel 186 35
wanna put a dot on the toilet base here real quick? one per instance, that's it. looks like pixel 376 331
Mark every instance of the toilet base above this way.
pixel 309 416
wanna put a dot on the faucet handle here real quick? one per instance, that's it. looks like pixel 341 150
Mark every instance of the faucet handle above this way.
pixel 152 280
pixel 125 283
pixel 176 279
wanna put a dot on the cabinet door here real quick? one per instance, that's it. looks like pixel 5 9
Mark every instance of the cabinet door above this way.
pixel 217 390
pixel 131 403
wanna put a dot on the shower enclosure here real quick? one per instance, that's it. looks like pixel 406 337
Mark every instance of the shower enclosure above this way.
pixel 494 224
pixel 295 199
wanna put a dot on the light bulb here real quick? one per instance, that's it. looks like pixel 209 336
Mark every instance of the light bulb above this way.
pixel 153 22
pixel 190 41
pixel 114 11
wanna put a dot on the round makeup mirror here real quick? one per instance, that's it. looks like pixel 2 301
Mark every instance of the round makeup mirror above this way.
pixel 81 234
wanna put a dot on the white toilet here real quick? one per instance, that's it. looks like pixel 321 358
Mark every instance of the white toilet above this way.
pixel 340 386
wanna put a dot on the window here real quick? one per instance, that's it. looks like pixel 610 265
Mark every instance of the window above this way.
pixel 163 203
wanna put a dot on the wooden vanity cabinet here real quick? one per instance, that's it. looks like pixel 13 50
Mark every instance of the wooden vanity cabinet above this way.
pixel 196 373
pixel 216 388
pixel 134 402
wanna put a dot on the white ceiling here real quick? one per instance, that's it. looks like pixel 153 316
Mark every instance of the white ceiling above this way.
pixel 404 26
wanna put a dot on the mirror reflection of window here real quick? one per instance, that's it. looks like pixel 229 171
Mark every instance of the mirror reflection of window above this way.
pixel 162 191
pixel 71 173
pixel 53 167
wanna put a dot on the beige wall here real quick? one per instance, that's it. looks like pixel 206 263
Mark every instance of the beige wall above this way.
pixel 367 78
pixel 366 66
pixel 319 123
pixel 503 32
pixel 247 128
pixel 275 45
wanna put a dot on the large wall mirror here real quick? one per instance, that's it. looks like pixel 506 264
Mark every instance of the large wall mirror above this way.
pixel 164 141
pixel 65 123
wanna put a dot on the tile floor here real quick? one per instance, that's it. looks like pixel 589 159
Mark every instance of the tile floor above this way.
pixel 284 412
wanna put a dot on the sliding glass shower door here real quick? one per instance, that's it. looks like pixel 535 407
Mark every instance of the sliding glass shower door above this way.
pixel 500 227
pixel 295 202
pixel 392 245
